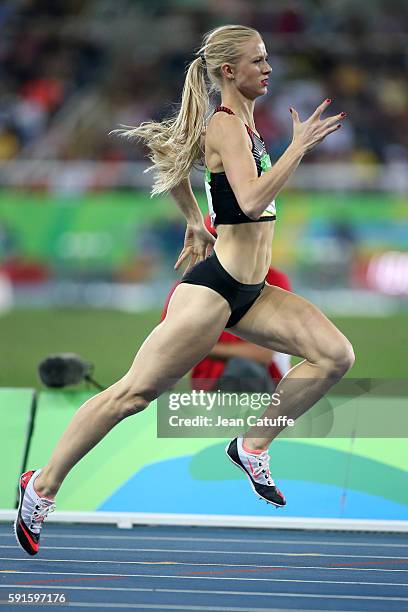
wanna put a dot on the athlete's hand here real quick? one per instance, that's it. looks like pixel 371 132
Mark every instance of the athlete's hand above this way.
pixel 198 243
pixel 309 133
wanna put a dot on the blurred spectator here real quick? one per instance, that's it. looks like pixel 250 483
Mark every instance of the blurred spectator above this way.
pixel 41 68
pixel 9 143
pixel 353 52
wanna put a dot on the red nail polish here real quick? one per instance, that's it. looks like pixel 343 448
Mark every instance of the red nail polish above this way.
pixel 343 114
pixel 290 110
pixel 328 100
pixel 339 125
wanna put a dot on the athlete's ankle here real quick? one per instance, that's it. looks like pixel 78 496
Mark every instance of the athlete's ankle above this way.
pixel 45 489
pixel 46 492
pixel 253 446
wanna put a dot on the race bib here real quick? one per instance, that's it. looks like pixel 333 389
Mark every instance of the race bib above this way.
pixel 270 210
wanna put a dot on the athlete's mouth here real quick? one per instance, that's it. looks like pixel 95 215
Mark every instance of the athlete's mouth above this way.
pixel 265 82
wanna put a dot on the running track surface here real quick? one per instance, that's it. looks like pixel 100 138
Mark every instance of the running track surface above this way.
pixel 209 569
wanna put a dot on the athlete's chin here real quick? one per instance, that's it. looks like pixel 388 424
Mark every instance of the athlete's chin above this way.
pixel 261 92
pixel 253 94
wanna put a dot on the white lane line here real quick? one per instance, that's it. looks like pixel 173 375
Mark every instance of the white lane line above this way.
pixel 223 540
pixel 183 563
pixel 246 593
pixel 274 594
pixel 219 552
pixel 299 595
pixel 252 593
pixel 178 577
pixel 84 604
pixel 95 588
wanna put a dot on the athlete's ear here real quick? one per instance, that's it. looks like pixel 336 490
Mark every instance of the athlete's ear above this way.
pixel 227 71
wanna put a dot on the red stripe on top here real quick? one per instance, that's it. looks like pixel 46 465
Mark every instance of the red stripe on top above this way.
pixel 225 109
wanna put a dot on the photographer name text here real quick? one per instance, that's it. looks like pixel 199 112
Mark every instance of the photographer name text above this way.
pixel 249 421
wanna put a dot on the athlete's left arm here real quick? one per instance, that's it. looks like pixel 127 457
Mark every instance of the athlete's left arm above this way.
pixel 197 241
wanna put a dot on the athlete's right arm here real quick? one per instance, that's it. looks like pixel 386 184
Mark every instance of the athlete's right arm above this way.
pixel 185 199
pixel 254 193
pixel 198 242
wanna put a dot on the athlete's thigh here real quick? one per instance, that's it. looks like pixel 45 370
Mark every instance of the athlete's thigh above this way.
pixel 196 316
pixel 283 321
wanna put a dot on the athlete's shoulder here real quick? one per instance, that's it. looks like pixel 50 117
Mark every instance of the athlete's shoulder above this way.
pixel 222 124
pixel 224 128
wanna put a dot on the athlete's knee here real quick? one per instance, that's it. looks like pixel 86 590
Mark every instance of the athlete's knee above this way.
pixel 134 403
pixel 339 358
pixel 128 400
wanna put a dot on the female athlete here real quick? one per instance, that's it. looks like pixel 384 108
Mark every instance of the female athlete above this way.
pixel 223 289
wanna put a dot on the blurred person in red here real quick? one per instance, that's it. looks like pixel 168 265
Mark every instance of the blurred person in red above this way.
pixel 234 364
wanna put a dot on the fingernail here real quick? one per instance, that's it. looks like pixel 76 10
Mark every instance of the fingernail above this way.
pixel 290 110
pixel 328 100
pixel 339 126
pixel 343 114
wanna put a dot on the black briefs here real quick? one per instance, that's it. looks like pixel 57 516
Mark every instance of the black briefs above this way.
pixel 210 273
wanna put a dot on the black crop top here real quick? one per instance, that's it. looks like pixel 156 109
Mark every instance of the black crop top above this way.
pixel 222 203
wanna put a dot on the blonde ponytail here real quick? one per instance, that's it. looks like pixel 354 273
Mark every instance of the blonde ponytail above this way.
pixel 176 144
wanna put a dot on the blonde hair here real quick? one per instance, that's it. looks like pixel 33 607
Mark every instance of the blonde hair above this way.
pixel 175 144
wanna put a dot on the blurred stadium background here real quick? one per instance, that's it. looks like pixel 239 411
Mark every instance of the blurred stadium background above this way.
pixel 86 257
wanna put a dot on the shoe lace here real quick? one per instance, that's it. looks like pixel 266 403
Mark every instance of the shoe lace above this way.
pixel 42 509
pixel 263 467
